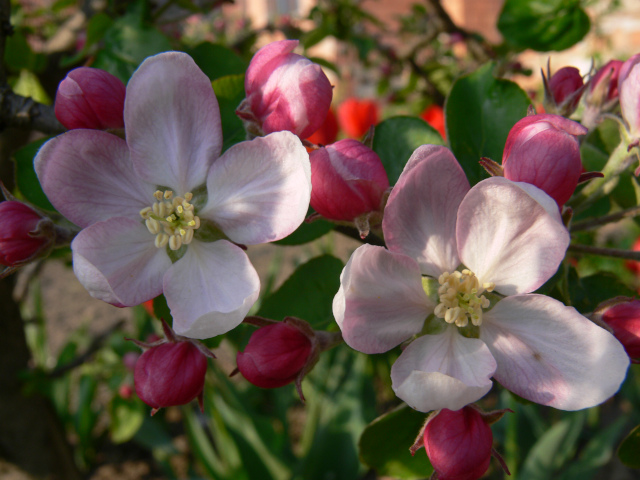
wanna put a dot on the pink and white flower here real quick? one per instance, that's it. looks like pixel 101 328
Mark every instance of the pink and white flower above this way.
pixel 162 212
pixel 459 271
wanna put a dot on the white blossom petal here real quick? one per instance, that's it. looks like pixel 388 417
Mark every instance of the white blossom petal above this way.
pixel 259 191
pixel 420 216
pixel 381 301
pixel 172 122
pixel 443 371
pixel 116 261
pixel 506 237
pixel 210 289
pixel 550 354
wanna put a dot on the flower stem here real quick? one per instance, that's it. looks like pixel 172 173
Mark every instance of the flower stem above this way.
pixel 605 252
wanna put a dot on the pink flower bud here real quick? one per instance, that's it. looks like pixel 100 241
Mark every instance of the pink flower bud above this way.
pixel 566 87
pixel 543 150
pixel 357 116
pixel 90 98
pixel 622 314
pixel 285 91
pixel 24 234
pixel 170 374
pixel 275 355
pixel 629 90
pixel 458 444
pixel 347 180
pixel 603 86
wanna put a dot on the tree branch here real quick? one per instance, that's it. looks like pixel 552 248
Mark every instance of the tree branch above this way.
pixel 24 112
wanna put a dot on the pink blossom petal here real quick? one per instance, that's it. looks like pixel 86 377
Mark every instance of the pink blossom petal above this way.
pixel 381 301
pixel 258 73
pixel 550 354
pixel 172 122
pixel 420 217
pixel 88 177
pixel 443 371
pixel 259 190
pixel 505 236
pixel 630 98
pixel 210 289
pixel 117 261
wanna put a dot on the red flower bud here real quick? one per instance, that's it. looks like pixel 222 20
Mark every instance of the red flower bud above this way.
pixel 603 86
pixel 543 150
pixel 622 314
pixel 275 355
pixel 90 98
pixel 566 87
pixel 327 132
pixel 434 116
pixel 347 180
pixel 285 91
pixel 458 444
pixel 357 116
pixel 24 234
pixel 170 374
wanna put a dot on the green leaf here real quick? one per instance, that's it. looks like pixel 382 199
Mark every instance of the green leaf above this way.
pixel 97 27
pixel 127 42
pixel 28 85
pixel 396 138
pixel 217 61
pixel 230 92
pixel 480 111
pixel 384 445
pixel 307 294
pixel 543 25
pixel 554 449
pixel 26 178
pixel 587 292
pixel 307 232
pixel 19 56
pixel 126 418
pixel 629 448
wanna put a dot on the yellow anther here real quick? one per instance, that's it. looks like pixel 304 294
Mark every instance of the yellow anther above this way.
pixel 152 225
pixel 144 213
pixel 188 196
pixel 168 194
pixel 161 240
pixel 158 195
pixel 175 242
pixel 179 209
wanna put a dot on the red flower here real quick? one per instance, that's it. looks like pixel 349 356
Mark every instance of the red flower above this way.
pixel 357 116
pixel 327 132
pixel 434 116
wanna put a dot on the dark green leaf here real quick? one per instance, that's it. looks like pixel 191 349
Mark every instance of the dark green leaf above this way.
pixel 554 449
pixel 629 448
pixel 543 25
pixel 307 232
pixel 307 294
pixel 384 445
pixel 480 112
pixel 586 293
pixel 217 61
pixel 26 178
pixel 396 138
pixel 230 92
pixel 19 56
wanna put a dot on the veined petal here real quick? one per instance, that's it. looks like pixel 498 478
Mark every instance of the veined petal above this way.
pixel 88 177
pixel 381 301
pixel 420 216
pixel 443 371
pixel 117 261
pixel 505 236
pixel 550 354
pixel 172 121
pixel 629 89
pixel 259 190
pixel 210 289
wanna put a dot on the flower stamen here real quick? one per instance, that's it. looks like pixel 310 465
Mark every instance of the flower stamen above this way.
pixel 461 298
pixel 171 219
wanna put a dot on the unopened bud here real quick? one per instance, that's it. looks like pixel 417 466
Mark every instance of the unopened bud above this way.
pixel 90 98
pixel 356 116
pixel 622 315
pixel 603 86
pixel 543 150
pixel 24 234
pixel 348 180
pixel 563 91
pixel 285 91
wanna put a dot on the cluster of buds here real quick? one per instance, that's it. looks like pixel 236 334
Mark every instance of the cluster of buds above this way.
pixel 170 371
pixel 284 91
pixel 279 353
pixel 90 98
pixel 459 443
pixel 621 315
pixel 348 184
pixel 562 90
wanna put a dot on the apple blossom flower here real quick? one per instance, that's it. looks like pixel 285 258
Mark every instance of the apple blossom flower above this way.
pixel 90 98
pixel 459 271
pixel 356 116
pixel 285 91
pixel 543 150
pixel 163 212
